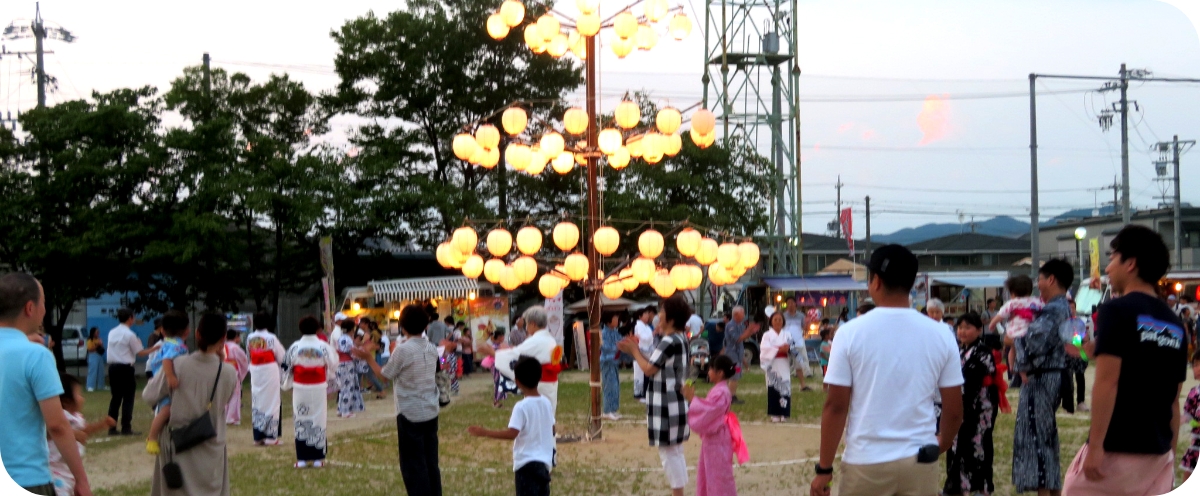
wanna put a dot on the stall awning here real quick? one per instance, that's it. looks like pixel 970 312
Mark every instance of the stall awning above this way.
pixel 972 280
pixel 423 288
pixel 815 283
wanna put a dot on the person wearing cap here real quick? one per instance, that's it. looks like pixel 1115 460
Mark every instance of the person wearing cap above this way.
pixel 885 370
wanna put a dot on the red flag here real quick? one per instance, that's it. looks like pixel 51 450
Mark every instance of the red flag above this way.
pixel 847 221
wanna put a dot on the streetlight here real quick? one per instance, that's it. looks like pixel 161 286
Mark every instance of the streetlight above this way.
pixel 1080 235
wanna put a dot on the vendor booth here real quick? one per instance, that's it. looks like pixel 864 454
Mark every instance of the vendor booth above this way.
pixel 961 291
pixel 827 294
pixel 459 297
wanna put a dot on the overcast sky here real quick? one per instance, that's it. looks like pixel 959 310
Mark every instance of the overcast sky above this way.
pixel 965 153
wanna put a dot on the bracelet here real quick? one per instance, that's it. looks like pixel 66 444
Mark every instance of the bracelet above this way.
pixel 823 471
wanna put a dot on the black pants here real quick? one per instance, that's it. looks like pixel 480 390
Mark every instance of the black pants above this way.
pixel 468 361
pixel 42 490
pixel 419 456
pixel 533 479
pixel 1080 384
pixel 123 382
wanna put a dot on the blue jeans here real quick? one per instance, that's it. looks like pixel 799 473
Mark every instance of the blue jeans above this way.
pixel 95 373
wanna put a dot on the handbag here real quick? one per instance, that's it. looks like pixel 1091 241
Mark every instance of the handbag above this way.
pixel 200 429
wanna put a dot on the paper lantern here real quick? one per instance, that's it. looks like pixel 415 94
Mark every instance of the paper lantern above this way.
pixel 580 158
pixel 576 266
pixel 687 242
pixel 707 252
pixel 628 114
pixel 662 284
pixel 465 239
pixel 548 26
pixel 566 236
pixel 578 44
pixel 622 47
pixel 508 278
pixel 525 268
pixel 718 275
pixel 643 270
pixel 537 162
pixel 703 121
pixel 650 243
pixel 575 120
pixel 499 242
pixel 458 259
pixel 609 140
pixel 737 271
pixel 696 276
pixel 558 45
pixel 668 120
pixel 652 148
pixel 620 159
pixel 681 277
pixel 533 38
pixel 561 276
pixel 514 120
pixel 473 266
pixel 636 146
pixel 549 285
pixel 552 144
pixel 606 240
pixel 496 27
pixel 443 254
pixel 491 270
pixel 529 240
pixel 655 10
pixel 487 136
pixel 588 24
pixel 702 140
pixel 478 155
pixel 464 146
pixel 613 288
pixel 625 25
pixel 728 255
pixel 518 156
pixel 748 254
pixel 672 144
pixel 587 6
pixel 627 279
pixel 645 38
pixel 680 26
pixel 490 158
pixel 513 12
pixel 563 163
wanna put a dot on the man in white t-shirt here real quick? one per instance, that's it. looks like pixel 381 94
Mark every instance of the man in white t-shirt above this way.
pixel 694 326
pixel 645 337
pixel 885 370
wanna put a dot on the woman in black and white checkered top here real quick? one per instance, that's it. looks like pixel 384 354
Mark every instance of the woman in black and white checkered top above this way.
pixel 666 409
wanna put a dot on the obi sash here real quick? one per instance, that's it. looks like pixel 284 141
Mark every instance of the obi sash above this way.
pixel 308 375
pixel 262 357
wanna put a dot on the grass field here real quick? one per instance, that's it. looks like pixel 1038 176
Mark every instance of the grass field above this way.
pixel 363 460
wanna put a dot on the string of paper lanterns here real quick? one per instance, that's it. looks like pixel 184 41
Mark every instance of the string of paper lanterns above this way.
pixel 547 34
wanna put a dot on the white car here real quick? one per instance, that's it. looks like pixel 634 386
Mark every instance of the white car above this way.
pixel 74 344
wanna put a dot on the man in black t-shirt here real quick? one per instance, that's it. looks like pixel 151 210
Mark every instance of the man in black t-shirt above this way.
pixel 1141 363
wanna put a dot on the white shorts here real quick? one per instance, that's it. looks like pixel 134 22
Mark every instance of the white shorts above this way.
pixel 674 464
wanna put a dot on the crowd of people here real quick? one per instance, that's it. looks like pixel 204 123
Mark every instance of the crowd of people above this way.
pixel 901 391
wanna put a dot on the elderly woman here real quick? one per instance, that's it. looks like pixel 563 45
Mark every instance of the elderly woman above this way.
pixel 206 383
pixel 774 360
pixel 540 345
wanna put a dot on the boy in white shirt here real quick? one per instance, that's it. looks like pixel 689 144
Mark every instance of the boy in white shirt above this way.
pixel 531 428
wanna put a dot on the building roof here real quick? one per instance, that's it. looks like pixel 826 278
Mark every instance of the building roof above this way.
pixel 969 243
pixel 827 244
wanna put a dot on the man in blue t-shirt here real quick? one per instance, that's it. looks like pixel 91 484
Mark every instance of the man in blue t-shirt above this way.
pixel 30 387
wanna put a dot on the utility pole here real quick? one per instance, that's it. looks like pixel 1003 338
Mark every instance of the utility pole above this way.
pixel 1125 214
pixel 1169 152
pixel 839 205
pixel 1034 244
pixel 39 32
pixel 208 101
pixel 867 250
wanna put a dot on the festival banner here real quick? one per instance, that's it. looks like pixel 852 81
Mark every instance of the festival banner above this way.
pixel 326 249
pixel 554 317
pixel 488 315
pixel 581 345
pixel 1094 249
pixel 847 220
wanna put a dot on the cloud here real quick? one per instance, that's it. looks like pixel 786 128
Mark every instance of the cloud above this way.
pixel 934 119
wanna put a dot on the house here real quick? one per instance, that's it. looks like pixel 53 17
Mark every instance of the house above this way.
pixel 1058 240
pixel 969 252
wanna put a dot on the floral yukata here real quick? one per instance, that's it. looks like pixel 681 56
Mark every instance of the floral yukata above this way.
pixel 969 462
pixel 1191 413
pixel 349 380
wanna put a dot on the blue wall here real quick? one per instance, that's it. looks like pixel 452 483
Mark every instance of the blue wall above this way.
pixel 102 313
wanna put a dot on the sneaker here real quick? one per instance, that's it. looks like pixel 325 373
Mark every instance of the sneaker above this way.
pixel 91 390
pixel 610 416
pixel 1082 408
pixel 152 447
pixel 642 400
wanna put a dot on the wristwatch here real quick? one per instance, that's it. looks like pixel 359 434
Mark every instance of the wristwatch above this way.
pixel 823 471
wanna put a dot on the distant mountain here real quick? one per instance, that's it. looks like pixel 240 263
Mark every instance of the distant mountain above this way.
pixel 997 226
pixel 1080 213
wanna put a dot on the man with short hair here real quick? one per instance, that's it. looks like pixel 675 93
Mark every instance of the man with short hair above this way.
pixel 885 369
pixel 736 333
pixel 1141 363
pixel 124 348
pixel 31 386
pixel 540 345
pixel 437 329
pixel 694 325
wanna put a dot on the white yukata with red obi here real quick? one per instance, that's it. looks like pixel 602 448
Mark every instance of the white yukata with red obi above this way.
pixel 545 349
pixel 311 365
pixel 266 356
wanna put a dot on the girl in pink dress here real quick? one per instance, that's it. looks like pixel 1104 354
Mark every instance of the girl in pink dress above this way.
pixel 719 431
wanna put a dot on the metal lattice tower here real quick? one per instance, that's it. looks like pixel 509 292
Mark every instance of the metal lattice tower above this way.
pixel 751 82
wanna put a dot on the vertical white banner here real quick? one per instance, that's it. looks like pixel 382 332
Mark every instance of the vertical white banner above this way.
pixel 554 317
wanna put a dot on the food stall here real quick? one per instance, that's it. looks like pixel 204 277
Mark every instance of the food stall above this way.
pixel 454 296
pixel 962 291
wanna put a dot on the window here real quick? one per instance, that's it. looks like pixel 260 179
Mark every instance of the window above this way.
pixel 989 260
pixel 952 260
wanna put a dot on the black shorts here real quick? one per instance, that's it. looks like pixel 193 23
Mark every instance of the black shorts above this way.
pixel 533 479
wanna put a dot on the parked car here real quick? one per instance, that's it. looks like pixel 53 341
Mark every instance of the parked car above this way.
pixel 74 344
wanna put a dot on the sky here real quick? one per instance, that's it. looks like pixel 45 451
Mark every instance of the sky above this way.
pixel 950 136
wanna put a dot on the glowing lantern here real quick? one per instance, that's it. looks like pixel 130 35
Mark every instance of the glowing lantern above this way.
pixel 548 26
pixel 513 12
pixel 662 284
pixel 643 270
pixel 552 144
pixel 549 285
pixel 625 25
pixel 580 159
pixel 613 288
pixel 577 266
pixel 681 277
pixel 478 155
pixel 566 236
pixel 526 269
pixel 655 10
pixel 533 38
pixel 499 242
pixel 487 136
pixel 443 254
pixel 687 242
pixel 508 278
pixel 464 146
pixel 588 24
pixel 635 146
pixel 668 120
pixel 496 27
pixel 718 275
pixel 513 120
pixel 737 272
pixel 628 114
pixel 606 240
pixel 728 255
pixel 696 276
pixel 558 45
pixel 529 240
pixel 458 259
pixel 703 121
pixel 609 140
pixel 490 158
pixel 578 44
pixel 672 144
pixel 491 270
pixel 627 280
pixel 473 266
pixel 518 155
pixel 645 38
pixel 650 244
pixel 465 239
pixel 622 47
pixel 680 26
pixel 748 254
pixel 563 163
pixel 652 148
pixel 561 276
pixel 537 162
pixel 620 159
pixel 703 140
pixel 707 252
pixel 587 6
pixel 575 120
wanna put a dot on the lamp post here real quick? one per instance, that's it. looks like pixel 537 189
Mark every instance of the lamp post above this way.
pixel 1080 235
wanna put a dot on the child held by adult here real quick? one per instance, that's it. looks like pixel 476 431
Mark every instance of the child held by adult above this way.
pixel 175 330
pixel 72 404
pixel 719 430
pixel 531 428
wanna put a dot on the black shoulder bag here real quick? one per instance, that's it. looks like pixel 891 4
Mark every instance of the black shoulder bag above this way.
pixel 202 428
